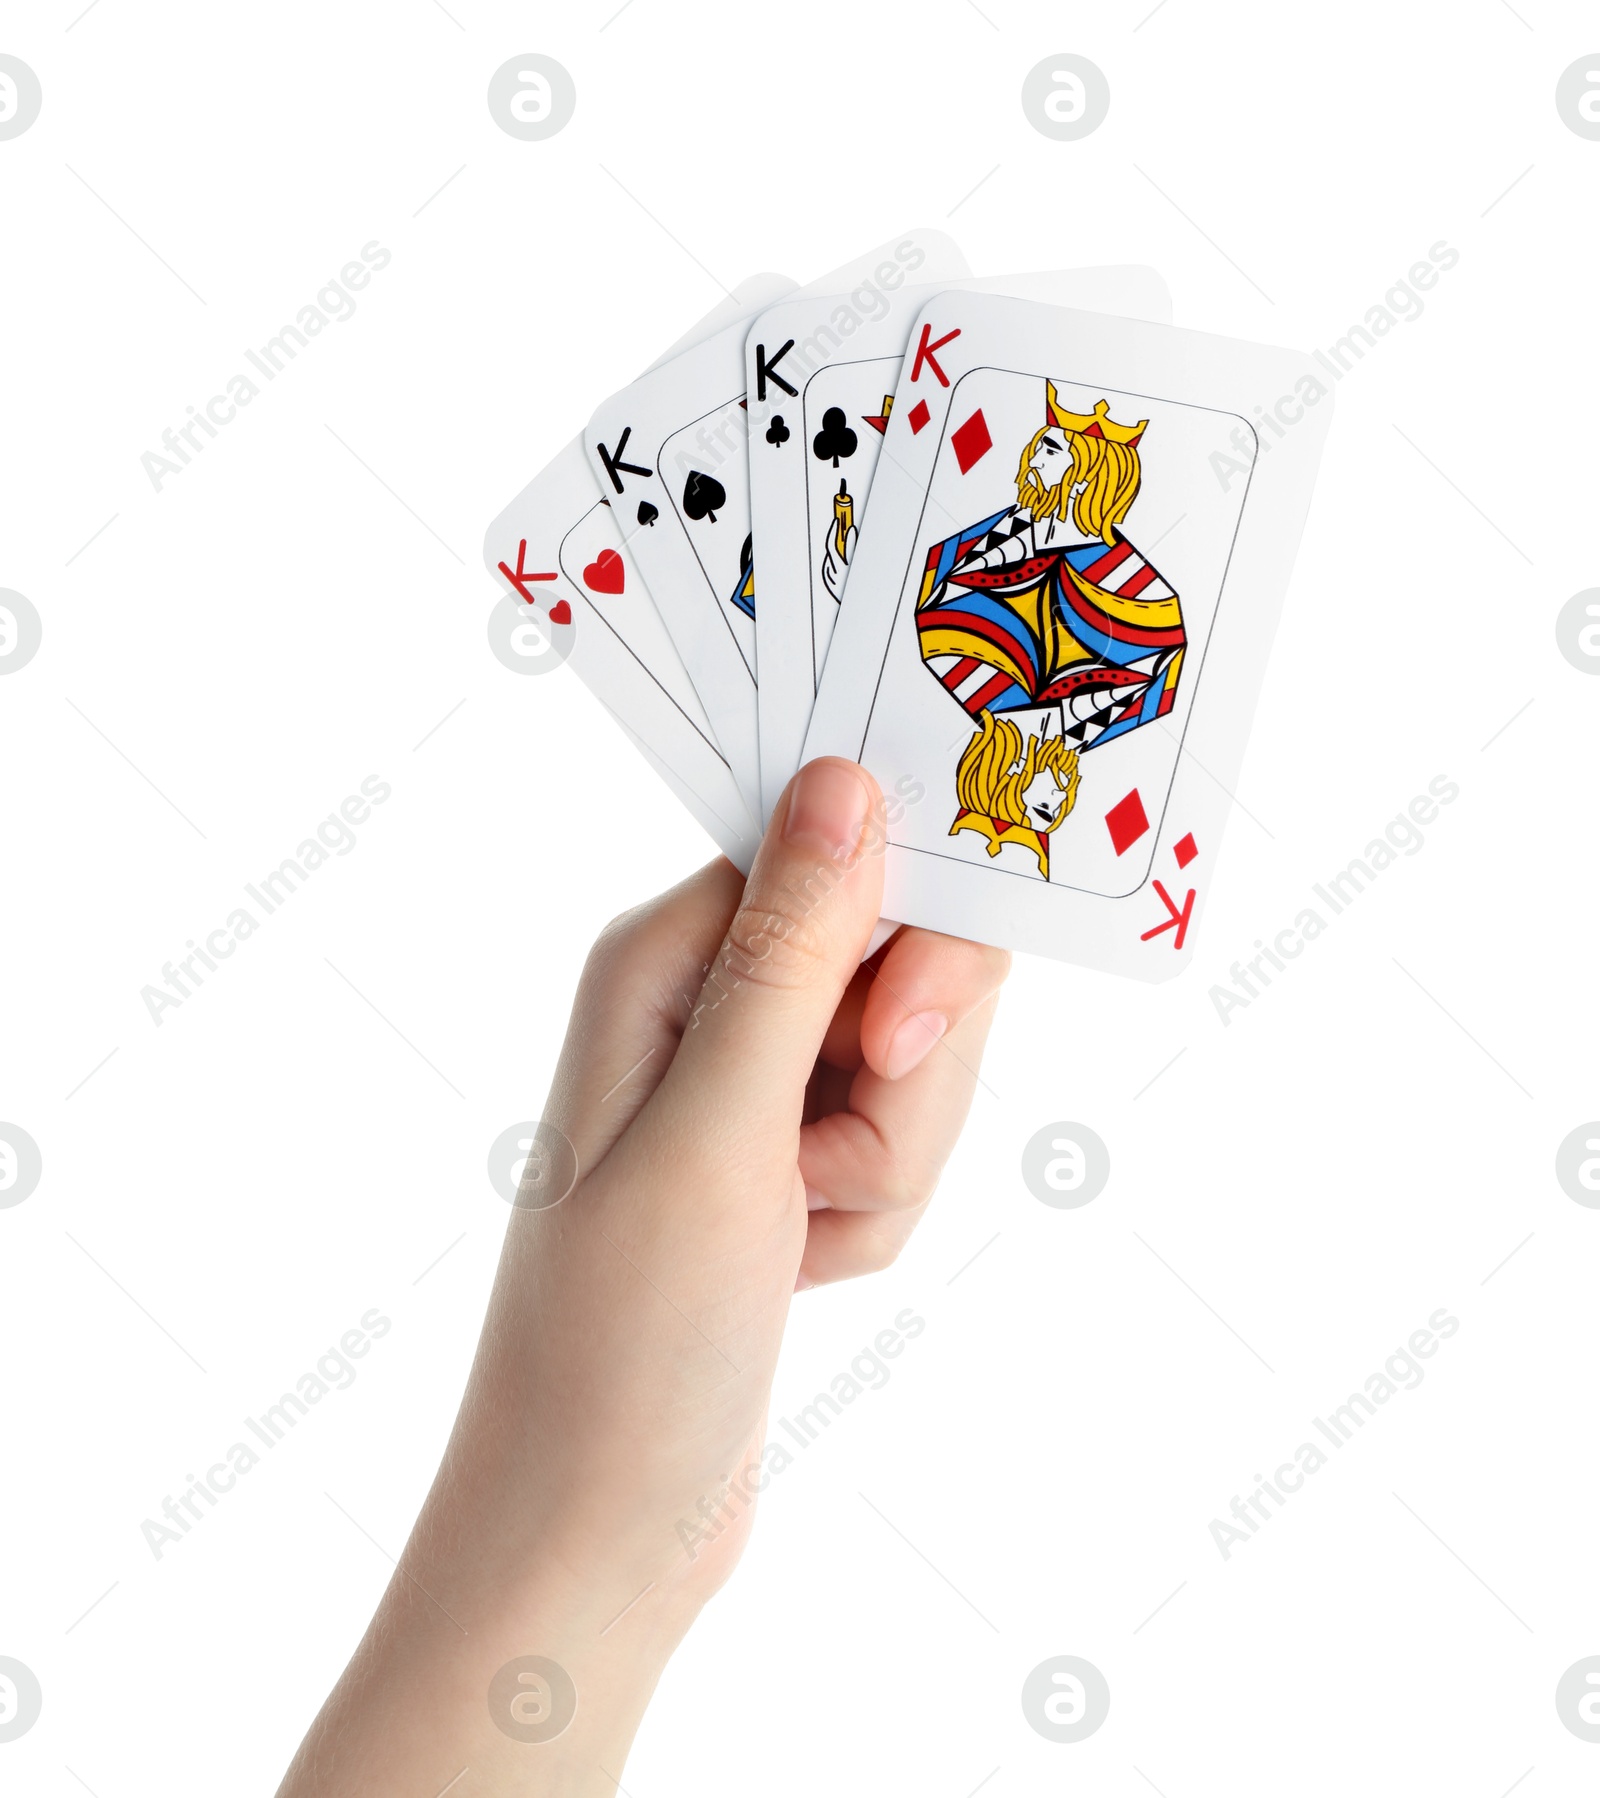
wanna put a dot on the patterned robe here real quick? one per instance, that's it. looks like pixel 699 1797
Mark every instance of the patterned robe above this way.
pixel 1006 625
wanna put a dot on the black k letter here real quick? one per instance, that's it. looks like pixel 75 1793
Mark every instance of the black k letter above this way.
pixel 766 370
pixel 615 466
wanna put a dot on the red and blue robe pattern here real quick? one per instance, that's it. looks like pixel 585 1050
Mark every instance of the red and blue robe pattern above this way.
pixel 1092 628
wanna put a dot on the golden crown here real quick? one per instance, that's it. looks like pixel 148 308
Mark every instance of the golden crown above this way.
pixel 1098 423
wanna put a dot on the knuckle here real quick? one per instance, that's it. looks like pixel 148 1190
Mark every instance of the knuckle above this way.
pixel 975 972
pixel 996 964
pixel 892 1181
pixel 908 1188
pixel 897 1186
pixel 776 940
pixel 877 1251
pixel 615 948
pixel 613 940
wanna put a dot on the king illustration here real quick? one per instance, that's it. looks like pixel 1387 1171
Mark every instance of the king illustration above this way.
pixel 1049 628
pixel 744 594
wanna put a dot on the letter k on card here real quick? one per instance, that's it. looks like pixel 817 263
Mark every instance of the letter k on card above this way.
pixel 1176 921
pixel 925 354
pixel 520 579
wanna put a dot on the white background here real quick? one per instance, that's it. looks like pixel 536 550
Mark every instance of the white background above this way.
pixel 1365 1143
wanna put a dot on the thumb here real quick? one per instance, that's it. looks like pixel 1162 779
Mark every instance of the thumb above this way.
pixel 802 927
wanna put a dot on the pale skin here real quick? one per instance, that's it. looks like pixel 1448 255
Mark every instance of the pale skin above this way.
pixel 741 1136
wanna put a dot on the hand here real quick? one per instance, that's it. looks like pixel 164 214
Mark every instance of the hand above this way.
pixel 752 1112
pixel 836 564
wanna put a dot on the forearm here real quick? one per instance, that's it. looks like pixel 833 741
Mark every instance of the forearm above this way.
pixel 435 1693
pixel 774 1134
pixel 549 1537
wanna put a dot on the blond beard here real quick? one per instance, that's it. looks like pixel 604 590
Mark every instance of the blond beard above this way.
pixel 1039 501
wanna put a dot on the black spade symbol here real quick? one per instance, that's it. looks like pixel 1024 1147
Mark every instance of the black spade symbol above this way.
pixel 835 439
pixel 777 431
pixel 647 513
pixel 703 493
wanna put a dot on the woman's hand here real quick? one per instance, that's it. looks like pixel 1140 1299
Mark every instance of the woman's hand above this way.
pixel 749 1112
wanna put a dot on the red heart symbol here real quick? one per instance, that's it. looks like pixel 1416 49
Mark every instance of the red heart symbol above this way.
pixel 605 573
pixel 561 613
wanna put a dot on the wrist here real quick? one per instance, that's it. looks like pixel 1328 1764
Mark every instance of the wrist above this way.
pixel 533 1678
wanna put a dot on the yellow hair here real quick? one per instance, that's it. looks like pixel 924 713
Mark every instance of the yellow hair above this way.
pixel 996 767
pixel 1109 471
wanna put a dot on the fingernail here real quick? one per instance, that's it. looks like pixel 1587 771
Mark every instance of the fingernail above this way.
pixel 913 1039
pixel 827 808
pixel 815 1201
pixel 802 1284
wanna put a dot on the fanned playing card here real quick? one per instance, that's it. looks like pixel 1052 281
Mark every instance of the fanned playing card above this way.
pixel 570 563
pixel 1058 619
pixel 670 452
pixel 559 555
pixel 821 380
